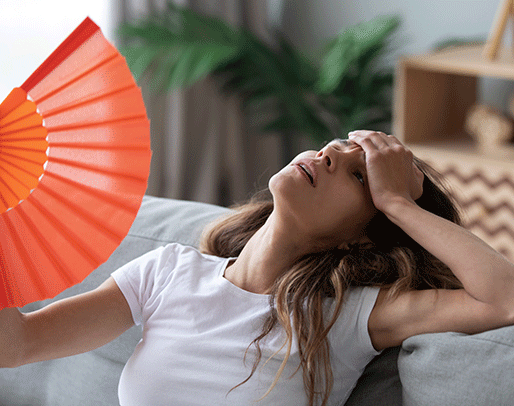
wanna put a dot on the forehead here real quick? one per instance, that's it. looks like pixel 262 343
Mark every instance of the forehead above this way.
pixel 342 142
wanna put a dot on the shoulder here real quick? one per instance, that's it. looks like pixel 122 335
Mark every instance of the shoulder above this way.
pixel 352 321
pixel 162 264
pixel 349 336
pixel 171 255
pixel 396 318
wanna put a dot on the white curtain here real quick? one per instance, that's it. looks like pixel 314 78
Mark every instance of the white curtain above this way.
pixel 203 147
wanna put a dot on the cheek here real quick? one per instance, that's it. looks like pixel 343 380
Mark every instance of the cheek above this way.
pixel 351 214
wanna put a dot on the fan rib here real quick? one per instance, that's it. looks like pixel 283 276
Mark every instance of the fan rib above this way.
pixel 51 254
pixel 74 80
pixel 71 237
pixel 97 146
pixel 15 148
pixel 25 256
pixel 8 294
pixel 95 124
pixel 6 185
pixel 50 113
pixel 13 100
pixel 23 158
pixel 84 215
pixel 5 202
pixel 21 118
pixel 6 140
pixel 20 168
pixel 96 169
pixel 17 130
pixel 17 179
pixel 84 31
pixel 110 199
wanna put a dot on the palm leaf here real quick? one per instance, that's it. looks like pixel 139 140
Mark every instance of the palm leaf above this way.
pixel 180 46
pixel 351 45
pixel 278 86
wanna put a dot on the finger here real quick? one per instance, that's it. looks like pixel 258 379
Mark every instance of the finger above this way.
pixel 387 138
pixel 419 177
pixel 364 133
pixel 365 143
pixel 391 139
pixel 373 139
pixel 418 173
pixel 376 136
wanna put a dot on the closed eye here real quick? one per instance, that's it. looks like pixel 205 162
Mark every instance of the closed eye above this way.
pixel 359 176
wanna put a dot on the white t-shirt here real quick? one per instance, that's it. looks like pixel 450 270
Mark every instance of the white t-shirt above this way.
pixel 197 326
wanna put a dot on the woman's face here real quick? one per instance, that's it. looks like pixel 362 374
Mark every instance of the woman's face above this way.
pixel 325 194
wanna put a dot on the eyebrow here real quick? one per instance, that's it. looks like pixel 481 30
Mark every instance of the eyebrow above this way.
pixel 343 141
pixel 347 143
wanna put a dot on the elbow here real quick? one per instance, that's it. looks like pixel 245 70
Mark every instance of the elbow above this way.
pixel 12 338
pixel 510 316
pixel 504 315
pixel 508 310
pixel 14 352
pixel 18 358
pixel 11 357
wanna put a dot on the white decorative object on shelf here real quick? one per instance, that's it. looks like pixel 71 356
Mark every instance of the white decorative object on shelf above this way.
pixel 489 127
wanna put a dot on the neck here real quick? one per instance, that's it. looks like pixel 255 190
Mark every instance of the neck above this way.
pixel 268 254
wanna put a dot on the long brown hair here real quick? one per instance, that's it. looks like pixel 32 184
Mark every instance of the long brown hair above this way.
pixel 391 259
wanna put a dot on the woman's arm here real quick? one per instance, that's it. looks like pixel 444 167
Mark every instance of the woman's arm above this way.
pixel 486 275
pixel 67 327
pixel 486 302
pixel 488 278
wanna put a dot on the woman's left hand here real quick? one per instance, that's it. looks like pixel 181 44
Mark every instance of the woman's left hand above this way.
pixel 390 168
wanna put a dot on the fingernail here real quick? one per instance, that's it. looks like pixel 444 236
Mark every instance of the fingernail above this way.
pixel 351 133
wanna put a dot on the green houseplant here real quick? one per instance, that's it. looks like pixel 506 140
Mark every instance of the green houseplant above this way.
pixel 279 87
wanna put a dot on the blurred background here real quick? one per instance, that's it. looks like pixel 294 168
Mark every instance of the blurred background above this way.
pixel 205 146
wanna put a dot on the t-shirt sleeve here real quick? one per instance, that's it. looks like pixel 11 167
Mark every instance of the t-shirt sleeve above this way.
pixel 351 328
pixel 366 303
pixel 141 279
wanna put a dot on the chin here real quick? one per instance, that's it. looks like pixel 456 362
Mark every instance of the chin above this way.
pixel 288 204
pixel 284 188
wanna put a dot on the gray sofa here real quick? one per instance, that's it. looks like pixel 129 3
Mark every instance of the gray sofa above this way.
pixel 432 369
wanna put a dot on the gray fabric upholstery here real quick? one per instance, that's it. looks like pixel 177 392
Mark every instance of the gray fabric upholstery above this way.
pixel 92 379
pixel 380 383
pixel 431 366
pixel 455 369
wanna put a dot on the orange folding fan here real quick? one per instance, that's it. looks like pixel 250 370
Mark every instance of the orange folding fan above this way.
pixel 74 164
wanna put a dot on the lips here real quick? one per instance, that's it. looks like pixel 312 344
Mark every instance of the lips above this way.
pixel 308 170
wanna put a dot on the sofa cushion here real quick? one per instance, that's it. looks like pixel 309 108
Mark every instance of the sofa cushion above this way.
pixel 456 369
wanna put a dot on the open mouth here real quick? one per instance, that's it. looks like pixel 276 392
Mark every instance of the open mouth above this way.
pixel 307 172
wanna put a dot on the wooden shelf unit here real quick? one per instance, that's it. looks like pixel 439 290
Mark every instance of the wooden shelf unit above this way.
pixel 433 94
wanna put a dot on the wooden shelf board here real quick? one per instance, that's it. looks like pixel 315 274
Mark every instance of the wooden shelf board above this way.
pixel 465 60
pixel 457 147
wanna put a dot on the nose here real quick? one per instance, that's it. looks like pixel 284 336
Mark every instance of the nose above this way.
pixel 328 158
pixel 334 155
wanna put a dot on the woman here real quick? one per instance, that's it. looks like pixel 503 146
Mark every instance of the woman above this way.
pixel 344 253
